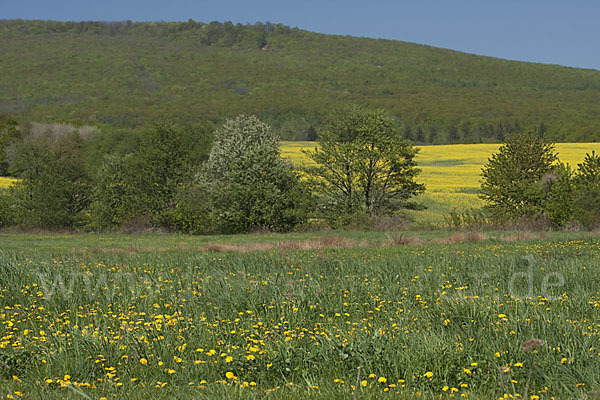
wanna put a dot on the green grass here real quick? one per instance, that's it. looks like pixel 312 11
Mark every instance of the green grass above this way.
pixel 118 314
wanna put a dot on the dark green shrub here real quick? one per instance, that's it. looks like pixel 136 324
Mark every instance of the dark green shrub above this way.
pixel 6 208
pixel 558 187
pixel 55 186
pixel 587 192
pixel 510 183
pixel 147 183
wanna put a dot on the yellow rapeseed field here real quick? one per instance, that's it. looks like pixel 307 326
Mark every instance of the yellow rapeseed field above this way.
pixel 6 182
pixel 451 173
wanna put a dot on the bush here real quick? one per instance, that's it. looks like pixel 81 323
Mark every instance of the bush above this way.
pixel 147 182
pixel 558 187
pixel 510 183
pixel 248 185
pixel 379 223
pixel 191 213
pixel 140 224
pixel 472 218
pixel 117 194
pixel 54 190
pixel 6 208
pixel 586 198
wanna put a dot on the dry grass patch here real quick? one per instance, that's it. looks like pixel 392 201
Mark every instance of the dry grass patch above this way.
pixel 519 236
pixel 105 250
pixel 462 237
pixel 340 242
pixel 329 242
pixel 398 239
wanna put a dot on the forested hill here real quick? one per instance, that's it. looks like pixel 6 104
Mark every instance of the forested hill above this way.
pixel 131 74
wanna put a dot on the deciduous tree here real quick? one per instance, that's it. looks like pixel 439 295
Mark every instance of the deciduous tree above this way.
pixel 249 185
pixel 363 165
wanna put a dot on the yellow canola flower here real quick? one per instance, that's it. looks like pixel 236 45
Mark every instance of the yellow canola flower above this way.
pixel 7 182
pixel 451 173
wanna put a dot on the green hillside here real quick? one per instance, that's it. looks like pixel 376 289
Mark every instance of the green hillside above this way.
pixel 130 74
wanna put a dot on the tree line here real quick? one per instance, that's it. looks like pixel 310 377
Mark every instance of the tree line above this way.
pixel 224 34
pixel 232 180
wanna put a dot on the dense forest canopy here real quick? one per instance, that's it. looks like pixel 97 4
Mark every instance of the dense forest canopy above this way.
pixel 131 74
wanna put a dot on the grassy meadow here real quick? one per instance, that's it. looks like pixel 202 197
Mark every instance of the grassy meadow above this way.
pixel 451 173
pixel 337 315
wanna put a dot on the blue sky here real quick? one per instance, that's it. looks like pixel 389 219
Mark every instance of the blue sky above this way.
pixel 547 31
